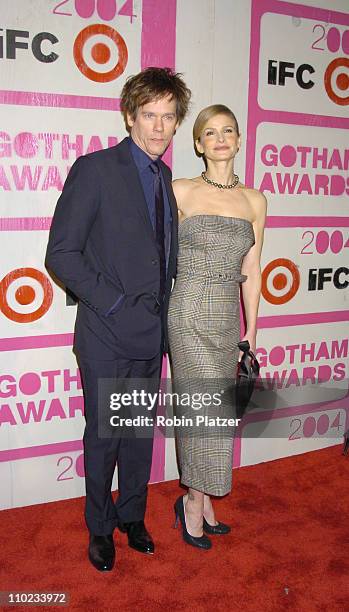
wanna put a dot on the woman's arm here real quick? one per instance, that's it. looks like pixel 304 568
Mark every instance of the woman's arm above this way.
pixel 251 288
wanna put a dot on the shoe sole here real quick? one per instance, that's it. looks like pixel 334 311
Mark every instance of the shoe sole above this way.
pixel 101 571
pixel 144 552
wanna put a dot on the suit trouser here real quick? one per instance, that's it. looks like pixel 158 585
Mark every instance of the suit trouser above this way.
pixel 133 455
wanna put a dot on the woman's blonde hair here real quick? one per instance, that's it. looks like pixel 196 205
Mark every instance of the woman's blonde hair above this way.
pixel 205 115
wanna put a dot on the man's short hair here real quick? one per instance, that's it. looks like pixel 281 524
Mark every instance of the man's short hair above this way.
pixel 152 84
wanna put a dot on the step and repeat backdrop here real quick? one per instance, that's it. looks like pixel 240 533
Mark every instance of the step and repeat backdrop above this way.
pixel 63 64
pixel 298 155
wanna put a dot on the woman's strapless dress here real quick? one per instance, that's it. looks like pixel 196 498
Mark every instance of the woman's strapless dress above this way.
pixel 204 331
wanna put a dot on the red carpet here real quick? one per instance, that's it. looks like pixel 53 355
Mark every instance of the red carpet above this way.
pixel 288 549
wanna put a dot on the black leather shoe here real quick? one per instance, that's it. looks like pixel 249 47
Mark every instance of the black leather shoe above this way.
pixel 122 527
pixel 101 552
pixel 202 542
pixel 220 529
pixel 138 536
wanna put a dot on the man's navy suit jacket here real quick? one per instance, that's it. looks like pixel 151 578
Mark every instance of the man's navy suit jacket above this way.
pixel 102 247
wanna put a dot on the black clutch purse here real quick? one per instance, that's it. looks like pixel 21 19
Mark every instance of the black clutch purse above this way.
pixel 246 375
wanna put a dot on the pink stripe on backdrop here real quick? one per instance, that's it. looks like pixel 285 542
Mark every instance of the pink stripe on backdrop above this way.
pixel 159 40
pixel 307 318
pixel 56 100
pixel 15 454
pixel 294 118
pixel 24 224
pixel 280 413
pixel 40 451
pixel 159 33
pixel 300 10
pixel 157 470
pixel 47 341
pixel 253 107
pixel 276 221
pixel 35 342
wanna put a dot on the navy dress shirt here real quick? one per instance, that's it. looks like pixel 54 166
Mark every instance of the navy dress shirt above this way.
pixel 146 175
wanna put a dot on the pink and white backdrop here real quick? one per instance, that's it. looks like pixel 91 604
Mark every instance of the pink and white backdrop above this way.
pixel 284 69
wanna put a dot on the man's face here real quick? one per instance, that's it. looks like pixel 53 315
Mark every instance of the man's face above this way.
pixel 154 126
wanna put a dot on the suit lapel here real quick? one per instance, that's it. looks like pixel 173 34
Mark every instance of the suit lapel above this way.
pixel 129 172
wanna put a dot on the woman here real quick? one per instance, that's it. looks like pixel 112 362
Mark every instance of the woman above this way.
pixel 221 224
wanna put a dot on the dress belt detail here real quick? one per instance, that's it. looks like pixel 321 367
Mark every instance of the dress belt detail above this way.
pixel 214 275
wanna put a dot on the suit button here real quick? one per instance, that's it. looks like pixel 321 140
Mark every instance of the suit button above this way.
pixel 154 294
pixel 157 307
pixel 154 262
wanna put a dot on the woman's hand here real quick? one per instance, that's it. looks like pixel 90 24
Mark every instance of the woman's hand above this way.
pixel 251 337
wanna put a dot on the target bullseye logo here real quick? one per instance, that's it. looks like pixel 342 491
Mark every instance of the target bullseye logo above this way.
pixel 25 295
pixel 280 281
pixel 100 53
pixel 336 81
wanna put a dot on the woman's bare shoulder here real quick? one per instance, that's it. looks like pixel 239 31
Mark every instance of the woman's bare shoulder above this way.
pixel 183 190
pixel 257 200
pixel 183 185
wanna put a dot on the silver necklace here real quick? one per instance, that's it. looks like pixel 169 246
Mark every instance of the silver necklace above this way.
pixel 219 185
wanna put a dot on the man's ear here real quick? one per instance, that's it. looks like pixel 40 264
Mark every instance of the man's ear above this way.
pixel 130 120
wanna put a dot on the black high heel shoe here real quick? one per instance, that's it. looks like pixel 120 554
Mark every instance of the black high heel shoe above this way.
pixel 203 541
pixel 220 529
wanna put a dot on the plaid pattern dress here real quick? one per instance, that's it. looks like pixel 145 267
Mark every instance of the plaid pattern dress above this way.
pixel 204 329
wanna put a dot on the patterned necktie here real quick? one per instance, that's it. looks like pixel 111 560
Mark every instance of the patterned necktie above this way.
pixel 159 225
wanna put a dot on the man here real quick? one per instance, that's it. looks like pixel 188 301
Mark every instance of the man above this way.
pixel 113 243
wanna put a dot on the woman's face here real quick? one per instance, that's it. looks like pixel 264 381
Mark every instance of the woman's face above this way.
pixel 219 139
